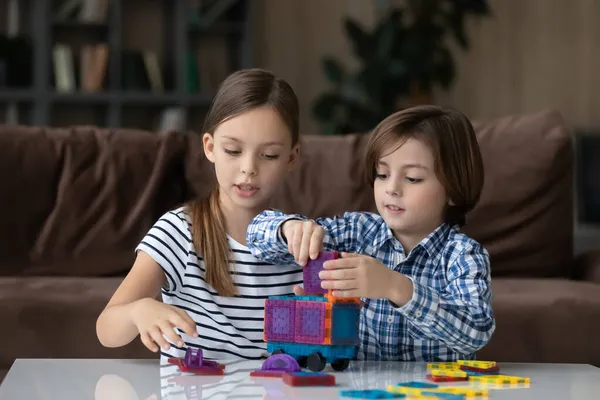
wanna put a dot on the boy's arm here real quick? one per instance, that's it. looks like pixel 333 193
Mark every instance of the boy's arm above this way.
pixel 460 315
pixel 265 240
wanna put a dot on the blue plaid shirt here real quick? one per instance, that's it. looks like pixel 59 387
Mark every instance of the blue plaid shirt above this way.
pixel 449 316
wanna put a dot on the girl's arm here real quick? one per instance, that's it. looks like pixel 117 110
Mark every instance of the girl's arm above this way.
pixel 114 326
pixel 345 233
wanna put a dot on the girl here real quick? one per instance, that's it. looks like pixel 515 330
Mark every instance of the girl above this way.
pixel 213 289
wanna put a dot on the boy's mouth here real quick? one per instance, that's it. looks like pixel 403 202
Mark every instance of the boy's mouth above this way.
pixel 394 209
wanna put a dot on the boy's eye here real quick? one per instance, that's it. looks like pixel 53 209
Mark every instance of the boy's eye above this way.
pixel 413 180
pixel 271 156
pixel 232 152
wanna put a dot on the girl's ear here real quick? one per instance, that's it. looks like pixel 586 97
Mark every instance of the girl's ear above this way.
pixel 451 203
pixel 294 154
pixel 208 142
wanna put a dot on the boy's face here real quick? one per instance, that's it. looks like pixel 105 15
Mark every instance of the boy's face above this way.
pixel 408 194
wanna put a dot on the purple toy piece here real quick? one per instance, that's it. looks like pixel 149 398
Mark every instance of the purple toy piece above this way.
pixel 279 320
pixel 310 322
pixel 193 358
pixel 281 362
pixel 310 272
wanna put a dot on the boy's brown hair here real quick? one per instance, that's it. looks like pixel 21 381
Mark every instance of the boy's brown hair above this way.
pixel 450 136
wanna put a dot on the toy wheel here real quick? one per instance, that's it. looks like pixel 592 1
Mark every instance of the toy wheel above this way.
pixel 278 351
pixel 303 362
pixel 315 362
pixel 340 364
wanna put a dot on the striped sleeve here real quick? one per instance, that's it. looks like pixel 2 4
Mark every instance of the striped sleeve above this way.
pixel 168 243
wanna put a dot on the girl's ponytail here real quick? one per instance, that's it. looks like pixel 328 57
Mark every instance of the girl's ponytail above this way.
pixel 210 241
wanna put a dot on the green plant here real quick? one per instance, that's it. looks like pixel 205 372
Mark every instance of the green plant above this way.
pixel 403 58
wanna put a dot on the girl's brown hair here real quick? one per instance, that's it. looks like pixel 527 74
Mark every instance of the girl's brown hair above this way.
pixel 451 137
pixel 240 92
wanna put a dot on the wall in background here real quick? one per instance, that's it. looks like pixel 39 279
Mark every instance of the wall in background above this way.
pixel 531 55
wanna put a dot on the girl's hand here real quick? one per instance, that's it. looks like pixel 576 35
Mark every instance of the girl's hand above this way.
pixel 304 239
pixel 154 320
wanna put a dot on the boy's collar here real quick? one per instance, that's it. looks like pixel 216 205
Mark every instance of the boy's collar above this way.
pixel 433 243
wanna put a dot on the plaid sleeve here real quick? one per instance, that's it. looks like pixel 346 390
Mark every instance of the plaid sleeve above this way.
pixel 265 241
pixel 461 314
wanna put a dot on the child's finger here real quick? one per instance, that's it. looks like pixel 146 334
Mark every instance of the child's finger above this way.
pixel 316 242
pixel 183 321
pixel 158 338
pixel 305 243
pixel 299 290
pixel 297 242
pixel 350 255
pixel 168 331
pixel 345 284
pixel 148 342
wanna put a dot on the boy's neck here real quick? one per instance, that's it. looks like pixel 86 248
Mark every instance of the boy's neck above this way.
pixel 237 219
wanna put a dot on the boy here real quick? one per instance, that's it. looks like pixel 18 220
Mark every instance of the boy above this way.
pixel 425 285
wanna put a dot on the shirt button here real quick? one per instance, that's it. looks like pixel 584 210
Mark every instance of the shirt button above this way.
pixel 390 319
pixel 418 314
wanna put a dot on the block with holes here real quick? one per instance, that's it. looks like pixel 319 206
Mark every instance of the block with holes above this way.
pixel 280 317
pixel 310 273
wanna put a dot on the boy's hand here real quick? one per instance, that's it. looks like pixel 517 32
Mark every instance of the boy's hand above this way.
pixel 304 239
pixel 154 320
pixel 356 275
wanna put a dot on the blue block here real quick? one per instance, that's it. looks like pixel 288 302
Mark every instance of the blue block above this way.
pixel 320 299
pixel 283 297
pixel 305 373
pixel 345 320
pixel 371 394
pixel 446 396
pixel 329 352
pixel 418 385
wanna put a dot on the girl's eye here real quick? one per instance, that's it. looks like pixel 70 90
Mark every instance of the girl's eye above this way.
pixel 271 156
pixel 413 180
pixel 232 152
pixel 381 176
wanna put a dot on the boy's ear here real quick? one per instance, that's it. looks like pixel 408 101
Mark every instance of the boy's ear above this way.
pixel 208 143
pixel 294 154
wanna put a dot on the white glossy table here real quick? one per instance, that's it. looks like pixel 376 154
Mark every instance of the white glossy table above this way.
pixel 33 379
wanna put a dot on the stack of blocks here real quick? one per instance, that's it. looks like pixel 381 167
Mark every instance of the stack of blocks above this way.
pixel 317 322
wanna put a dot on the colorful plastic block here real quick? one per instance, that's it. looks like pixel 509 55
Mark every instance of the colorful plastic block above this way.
pixel 499 379
pixel 442 396
pixel 418 385
pixel 280 319
pixel 198 370
pixel 330 353
pixel 370 394
pixel 308 379
pixel 491 371
pixel 310 272
pixel 476 364
pixel 267 374
pixel 345 318
pixel 443 378
pixel 443 365
pixel 454 373
pixel 311 322
pixel 281 362
pixel 194 362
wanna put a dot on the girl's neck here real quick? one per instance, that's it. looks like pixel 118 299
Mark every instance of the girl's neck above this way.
pixel 236 218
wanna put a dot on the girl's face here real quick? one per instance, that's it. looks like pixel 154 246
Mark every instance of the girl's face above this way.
pixel 407 192
pixel 252 153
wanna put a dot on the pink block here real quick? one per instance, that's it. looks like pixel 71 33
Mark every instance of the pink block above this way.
pixel 310 273
pixel 310 322
pixel 279 320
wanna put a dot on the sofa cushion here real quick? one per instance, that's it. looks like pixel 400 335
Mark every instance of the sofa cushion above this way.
pixel 545 320
pixel 525 215
pixel 52 317
pixel 77 201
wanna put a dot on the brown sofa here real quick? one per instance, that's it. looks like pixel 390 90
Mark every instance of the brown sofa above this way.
pixel 75 202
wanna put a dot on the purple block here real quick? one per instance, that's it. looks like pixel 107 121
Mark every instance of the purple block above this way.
pixel 310 273
pixel 281 362
pixel 310 322
pixel 279 320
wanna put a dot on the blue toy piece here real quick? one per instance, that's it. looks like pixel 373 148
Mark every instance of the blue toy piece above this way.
pixel 418 385
pixel 371 394
pixel 316 356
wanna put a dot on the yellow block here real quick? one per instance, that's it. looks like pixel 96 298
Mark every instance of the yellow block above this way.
pixel 477 364
pixel 468 393
pixel 456 373
pixel 443 365
pixel 499 379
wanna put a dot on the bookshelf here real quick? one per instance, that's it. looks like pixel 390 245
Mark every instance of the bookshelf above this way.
pixel 119 63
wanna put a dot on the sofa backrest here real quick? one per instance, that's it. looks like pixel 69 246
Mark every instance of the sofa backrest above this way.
pixel 77 201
